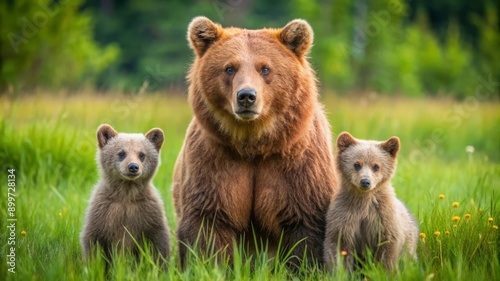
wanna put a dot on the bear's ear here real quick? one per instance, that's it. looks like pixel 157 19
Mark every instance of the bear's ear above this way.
pixel 344 141
pixel 104 133
pixel 391 146
pixel 156 137
pixel 202 33
pixel 297 36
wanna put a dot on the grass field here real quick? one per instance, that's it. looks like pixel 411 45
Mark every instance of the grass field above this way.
pixel 50 143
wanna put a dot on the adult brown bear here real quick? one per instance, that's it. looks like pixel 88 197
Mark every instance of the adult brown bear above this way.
pixel 257 155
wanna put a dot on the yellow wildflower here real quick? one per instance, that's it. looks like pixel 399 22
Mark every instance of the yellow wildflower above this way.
pixel 455 204
pixel 437 233
pixel 441 196
pixel 455 219
pixel 422 235
pixel 490 220
pixel 447 233
pixel 495 227
pixel 23 233
pixel 467 216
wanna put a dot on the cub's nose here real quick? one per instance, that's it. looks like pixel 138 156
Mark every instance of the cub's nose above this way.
pixel 365 183
pixel 133 168
pixel 246 97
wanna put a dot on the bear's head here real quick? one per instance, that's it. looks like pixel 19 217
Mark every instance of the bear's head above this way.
pixel 128 157
pixel 366 164
pixel 252 84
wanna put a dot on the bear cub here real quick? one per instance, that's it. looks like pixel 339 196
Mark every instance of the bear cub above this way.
pixel 365 214
pixel 124 205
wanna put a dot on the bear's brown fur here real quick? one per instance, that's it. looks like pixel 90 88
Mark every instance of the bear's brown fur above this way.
pixel 125 206
pixel 365 213
pixel 257 153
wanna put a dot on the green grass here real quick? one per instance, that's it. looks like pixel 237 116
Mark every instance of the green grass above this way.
pixel 50 142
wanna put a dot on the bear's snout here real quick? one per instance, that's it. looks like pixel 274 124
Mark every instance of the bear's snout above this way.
pixel 133 168
pixel 365 183
pixel 246 97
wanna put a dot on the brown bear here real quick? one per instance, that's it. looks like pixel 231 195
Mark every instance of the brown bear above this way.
pixel 257 156
pixel 125 207
pixel 365 214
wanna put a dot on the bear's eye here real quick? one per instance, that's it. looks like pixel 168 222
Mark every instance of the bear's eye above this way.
pixel 230 70
pixel 122 155
pixel 264 71
pixel 375 168
pixel 142 156
pixel 357 166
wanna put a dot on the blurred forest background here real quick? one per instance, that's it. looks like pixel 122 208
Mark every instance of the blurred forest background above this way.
pixel 410 48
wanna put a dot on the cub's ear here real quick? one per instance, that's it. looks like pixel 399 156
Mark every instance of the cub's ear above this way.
pixel 391 146
pixel 156 136
pixel 297 36
pixel 202 33
pixel 104 133
pixel 344 141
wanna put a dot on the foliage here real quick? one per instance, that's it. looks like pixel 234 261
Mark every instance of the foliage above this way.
pixel 410 48
pixel 152 39
pixel 49 44
pixel 369 46
pixel 489 40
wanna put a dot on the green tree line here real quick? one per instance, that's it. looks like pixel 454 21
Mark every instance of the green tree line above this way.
pixel 410 48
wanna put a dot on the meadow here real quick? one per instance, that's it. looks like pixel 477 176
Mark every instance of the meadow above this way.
pixel 448 175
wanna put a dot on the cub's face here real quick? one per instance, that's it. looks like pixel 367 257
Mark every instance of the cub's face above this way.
pixel 366 164
pixel 247 74
pixel 128 156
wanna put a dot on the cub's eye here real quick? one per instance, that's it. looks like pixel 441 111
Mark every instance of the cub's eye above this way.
pixel 142 156
pixel 357 166
pixel 264 71
pixel 375 167
pixel 230 70
pixel 122 155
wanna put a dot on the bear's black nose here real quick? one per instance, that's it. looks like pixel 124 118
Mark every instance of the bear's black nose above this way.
pixel 246 97
pixel 133 168
pixel 365 183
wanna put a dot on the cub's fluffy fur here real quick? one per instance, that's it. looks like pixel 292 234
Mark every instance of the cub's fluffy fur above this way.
pixel 365 213
pixel 124 205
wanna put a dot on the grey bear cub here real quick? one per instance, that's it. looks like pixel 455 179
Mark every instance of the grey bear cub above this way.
pixel 124 205
pixel 365 213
